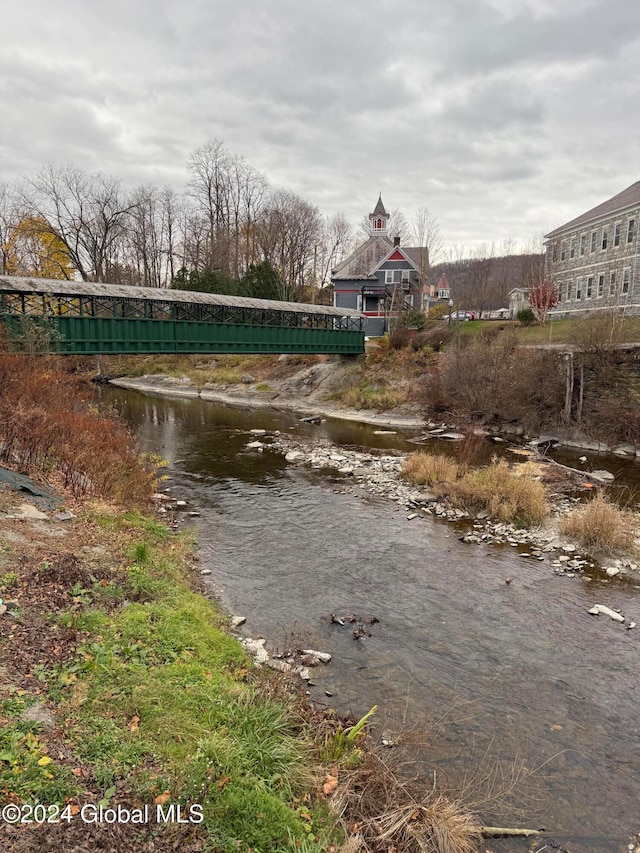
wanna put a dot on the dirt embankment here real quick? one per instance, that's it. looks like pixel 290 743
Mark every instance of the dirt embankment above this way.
pixel 308 391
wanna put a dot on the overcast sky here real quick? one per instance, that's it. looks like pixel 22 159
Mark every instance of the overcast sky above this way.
pixel 505 117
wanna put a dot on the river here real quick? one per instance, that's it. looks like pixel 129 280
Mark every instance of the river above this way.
pixel 501 676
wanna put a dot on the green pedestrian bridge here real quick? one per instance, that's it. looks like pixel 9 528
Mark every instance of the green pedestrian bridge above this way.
pixel 83 318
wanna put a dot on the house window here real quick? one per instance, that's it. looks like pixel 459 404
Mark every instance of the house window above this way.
pixel 616 233
pixel 578 288
pixel 626 278
pixel 396 276
pixel 631 231
pixel 605 237
pixel 572 252
pixel 594 240
pixel 589 286
pixel 612 284
pixel 600 285
pixel 554 254
pixel 569 289
pixel 563 251
pixel 583 244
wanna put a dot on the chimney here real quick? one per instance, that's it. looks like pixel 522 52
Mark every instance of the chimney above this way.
pixel 396 240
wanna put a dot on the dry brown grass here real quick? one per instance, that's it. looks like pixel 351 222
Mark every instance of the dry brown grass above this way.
pixel 601 526
pixel 507 495
pixel 431 469
pixel 520 499
pixel 441 826
pixel 392 814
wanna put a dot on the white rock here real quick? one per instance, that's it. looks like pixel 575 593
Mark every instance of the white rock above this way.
pixel 294 456
pixel 257 432
pixel 597 609
pixel 612 571
pixel 237 621
pixel 304 673
pixel 205 572
pixel 412 516
pixel 255 445
pixel 323 657
pixel 181 503
pixel 582 459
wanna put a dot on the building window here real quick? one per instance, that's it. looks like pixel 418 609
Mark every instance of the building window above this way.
pixel 631 231
pixel 563 251
pixel 600 285
pixel 626 278
pixel 612 284
pixel 589 287
pixel 578 289
pixel 583 244
pixel 396 276
pixel 605 237
pixel 616 233
pixel 554 253
pixel 594 240
pixel 569 289
pixel 572 252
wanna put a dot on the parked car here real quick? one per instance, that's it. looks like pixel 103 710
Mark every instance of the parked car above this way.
pixel 462 315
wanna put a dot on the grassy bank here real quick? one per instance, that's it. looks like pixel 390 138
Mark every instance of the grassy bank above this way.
pixel 153 702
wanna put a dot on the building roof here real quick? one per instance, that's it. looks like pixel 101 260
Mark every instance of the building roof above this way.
pixel 379 210
pixel 627 198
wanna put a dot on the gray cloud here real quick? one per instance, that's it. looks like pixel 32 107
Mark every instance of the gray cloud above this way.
pixel 505 117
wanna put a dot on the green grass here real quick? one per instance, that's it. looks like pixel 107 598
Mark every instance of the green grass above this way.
pixel 158 698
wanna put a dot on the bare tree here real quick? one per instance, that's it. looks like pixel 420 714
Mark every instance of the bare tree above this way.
pixel 289 231
pixel 88 213
pixel 336 241
pixel 10 217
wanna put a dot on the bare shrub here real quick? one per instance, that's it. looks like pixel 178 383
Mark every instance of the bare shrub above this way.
pixel 470 448
pixel 48 427
pixel 399 336
pixel 601 526
pixel 430 469
pixel 494 380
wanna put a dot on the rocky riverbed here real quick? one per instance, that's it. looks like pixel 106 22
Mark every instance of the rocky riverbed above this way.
pixel 380 476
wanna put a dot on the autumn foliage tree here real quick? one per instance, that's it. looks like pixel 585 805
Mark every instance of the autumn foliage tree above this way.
pixel 33 250
pixel 543 296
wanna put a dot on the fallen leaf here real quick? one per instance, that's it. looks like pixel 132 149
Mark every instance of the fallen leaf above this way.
pixel 133 725
pixel 223 781
pixel 330 784
pixel 555 728
pixel 161 799
pixel 44 761
pixel 78 771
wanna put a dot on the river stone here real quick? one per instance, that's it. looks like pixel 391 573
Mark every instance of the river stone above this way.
pixel 597 609
pixel 237 621
pixel 255 445
pixel 248 379
pixel 603 476
pixel 294 456
pixel 612 571
pixel 257 432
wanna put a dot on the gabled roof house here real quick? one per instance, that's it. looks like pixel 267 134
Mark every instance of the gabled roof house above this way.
pixel 381 277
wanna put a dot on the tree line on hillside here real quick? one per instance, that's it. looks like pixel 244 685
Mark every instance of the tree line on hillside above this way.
pixel 482 281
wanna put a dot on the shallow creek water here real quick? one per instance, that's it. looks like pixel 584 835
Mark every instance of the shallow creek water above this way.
pixel 520 671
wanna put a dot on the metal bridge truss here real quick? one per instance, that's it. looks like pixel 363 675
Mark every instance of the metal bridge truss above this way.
pixel 95 318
